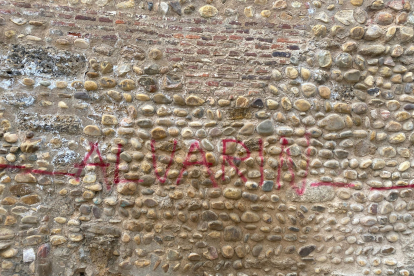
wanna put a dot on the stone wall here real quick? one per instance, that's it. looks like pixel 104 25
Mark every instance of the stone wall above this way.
pixel 226 138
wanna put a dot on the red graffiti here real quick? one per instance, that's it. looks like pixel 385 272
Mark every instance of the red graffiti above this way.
pixel 290 165
pixel 154 161
pixel 334 184
pixel 229 158
pixel 392 187
pixel 116 172
pixel 27 170
pixel 101 164
pixel 261 161
pixel 193 149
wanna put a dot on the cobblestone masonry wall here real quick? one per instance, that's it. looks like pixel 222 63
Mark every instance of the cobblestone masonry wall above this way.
pixel 216 137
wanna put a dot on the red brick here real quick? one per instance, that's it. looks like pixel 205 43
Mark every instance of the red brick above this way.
pixel 22 5
pixel 202 43
pixel 203 52
pixel 261 46
pixel 192 36
pixel 65 16
pixel 188 51
pixel 75 34
pixel 219 37
pixel 226 84
pixel 212 83
pixel 172 50
pixel 105 20
pixel 82 17
pixel 235 37
pixel 194 29
pixel 277 46
pixel 250 54
pixel 109 37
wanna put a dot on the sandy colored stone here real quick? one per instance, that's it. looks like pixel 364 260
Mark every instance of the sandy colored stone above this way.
pixel 302 105
pixel 158 133
pixel 92 130
pixel 193 100
pixel 208 11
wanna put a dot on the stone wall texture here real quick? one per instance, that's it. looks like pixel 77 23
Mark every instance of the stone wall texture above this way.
pixel 206 137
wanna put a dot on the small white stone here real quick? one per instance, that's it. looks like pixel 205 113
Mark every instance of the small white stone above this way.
pixel 28 255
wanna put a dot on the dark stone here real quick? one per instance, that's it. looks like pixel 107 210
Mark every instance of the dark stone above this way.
pixel 232 233
pixel 267 186
pixel 306 250
pixel 176 7
pixel 96 211
pixel 373 91
pixel 281 54
pixel 147 191
pixel 409 107
pixel 209 216
pixel 258 103
pixel 149 202
pixel 256 250
pixel 392 196
pixel 318 208
pixel 85 209
pixel 294 229
pixel 368 238
pixel 82 96
pixel 274 238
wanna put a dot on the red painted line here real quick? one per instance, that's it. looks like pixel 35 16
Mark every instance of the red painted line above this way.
pixel 131 180
pixel 12 166
pixel 82 164
pixel 186 163
pixel 116 173
pixel 392 187
pixel 335 184
pixel 154 161
pixel 261 161
pixel 228 158
pixel 35 171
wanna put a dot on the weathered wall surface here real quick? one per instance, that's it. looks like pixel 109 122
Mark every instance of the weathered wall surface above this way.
pixel 206 138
